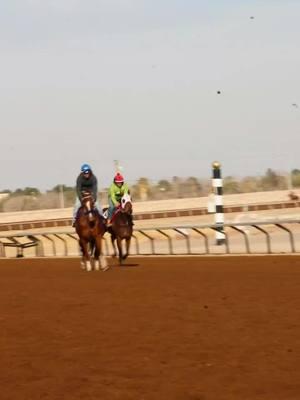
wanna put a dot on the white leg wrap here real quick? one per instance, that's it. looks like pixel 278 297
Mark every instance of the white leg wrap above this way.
pixel 103 263
pixel 88 266
pixel 97 265
pixel 82 264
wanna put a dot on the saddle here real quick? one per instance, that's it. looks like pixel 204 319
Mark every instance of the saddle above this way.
pixel 82 212
pixel 116 211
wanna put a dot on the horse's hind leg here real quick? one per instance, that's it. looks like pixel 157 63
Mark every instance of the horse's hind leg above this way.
pixel 127 248
pixel 82 263
pixel 113 243
pixel 96 255
pixel 86 256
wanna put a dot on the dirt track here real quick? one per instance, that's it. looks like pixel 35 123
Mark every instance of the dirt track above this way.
pixel 166 329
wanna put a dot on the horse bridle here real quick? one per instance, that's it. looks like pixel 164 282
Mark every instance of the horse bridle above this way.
pixel 84 197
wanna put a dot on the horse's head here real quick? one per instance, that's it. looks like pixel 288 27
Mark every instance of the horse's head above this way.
pixel 87 203
pixel 126 204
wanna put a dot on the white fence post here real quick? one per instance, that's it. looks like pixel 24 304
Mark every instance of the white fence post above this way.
pixel 217 184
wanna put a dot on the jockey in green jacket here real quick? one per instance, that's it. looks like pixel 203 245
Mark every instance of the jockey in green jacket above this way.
pixel 116 190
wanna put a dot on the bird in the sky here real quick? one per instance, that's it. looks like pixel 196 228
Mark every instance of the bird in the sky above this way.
pixel 295 105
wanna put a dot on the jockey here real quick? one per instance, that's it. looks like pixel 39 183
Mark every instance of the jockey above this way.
pixel 86 181
pixel 116 190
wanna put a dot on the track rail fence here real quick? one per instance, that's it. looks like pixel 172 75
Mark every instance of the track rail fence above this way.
pixel 271 237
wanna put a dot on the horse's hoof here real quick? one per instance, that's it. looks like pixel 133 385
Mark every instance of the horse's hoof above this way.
pixel 97 266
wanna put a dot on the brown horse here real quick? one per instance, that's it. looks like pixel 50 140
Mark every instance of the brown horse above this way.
pixel 293 196
pixel 90 228
pixel 121 227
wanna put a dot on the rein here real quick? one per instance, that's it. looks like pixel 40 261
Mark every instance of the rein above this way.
pixel 87 200
pixel 88 212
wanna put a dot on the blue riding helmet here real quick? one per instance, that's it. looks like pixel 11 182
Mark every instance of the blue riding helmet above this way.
pixel 86 168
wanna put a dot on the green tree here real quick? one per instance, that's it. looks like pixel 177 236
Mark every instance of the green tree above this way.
pixel 295 177
pixel 271 180
pixel 192 187
pixel 164 185
pixel 177 188
pixel 27 191
pixel 144 189
pixel 64 188
pixel 250 184
pixel 231 185
pixel 31 191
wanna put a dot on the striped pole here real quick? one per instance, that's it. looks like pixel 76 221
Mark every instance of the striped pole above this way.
pixel 217 184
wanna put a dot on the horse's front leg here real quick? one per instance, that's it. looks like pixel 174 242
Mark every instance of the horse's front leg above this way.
pixel 85 254
pixel 128 240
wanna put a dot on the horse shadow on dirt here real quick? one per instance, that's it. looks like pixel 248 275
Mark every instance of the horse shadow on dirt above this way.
pixel 114 262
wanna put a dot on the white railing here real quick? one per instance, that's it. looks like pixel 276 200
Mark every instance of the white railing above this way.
pixel 255 237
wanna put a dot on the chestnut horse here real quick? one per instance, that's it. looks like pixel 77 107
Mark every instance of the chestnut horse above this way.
pixel 90 227
pixel 121 227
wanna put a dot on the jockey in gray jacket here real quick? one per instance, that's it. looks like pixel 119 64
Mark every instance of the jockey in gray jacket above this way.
pixel 86 181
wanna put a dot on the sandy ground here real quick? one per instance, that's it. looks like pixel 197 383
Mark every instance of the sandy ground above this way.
pixel 199 328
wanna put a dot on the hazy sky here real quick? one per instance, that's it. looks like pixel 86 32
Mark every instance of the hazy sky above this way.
pixel 137 80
